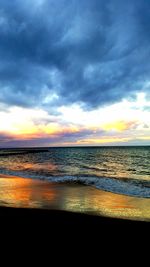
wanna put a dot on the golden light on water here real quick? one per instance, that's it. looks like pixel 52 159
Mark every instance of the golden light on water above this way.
pixel 93 201
pixel 32 166
pixel 19 192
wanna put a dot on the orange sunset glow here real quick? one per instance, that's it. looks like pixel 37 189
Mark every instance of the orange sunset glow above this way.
pixel 129 123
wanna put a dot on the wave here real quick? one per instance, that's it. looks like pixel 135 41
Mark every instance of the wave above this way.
pixel 125 186
pixel 93 168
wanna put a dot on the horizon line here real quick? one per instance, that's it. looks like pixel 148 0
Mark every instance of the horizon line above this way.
pixel 84 146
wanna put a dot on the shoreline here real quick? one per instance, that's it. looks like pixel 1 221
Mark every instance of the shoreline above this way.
pixel 30 215
pixel 36 197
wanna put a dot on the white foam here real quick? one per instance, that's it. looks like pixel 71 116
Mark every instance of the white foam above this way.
pixel 130 187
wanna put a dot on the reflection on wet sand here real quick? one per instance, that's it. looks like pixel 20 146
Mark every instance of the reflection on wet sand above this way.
pixel 108 204
pixel 19 192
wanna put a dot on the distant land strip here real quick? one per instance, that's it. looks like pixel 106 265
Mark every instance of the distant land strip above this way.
pixel 22 152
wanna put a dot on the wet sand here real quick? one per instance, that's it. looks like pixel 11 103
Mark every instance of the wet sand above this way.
pixel 63 200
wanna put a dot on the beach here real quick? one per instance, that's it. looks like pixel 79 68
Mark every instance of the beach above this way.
pixel 23 194
pixel 53 220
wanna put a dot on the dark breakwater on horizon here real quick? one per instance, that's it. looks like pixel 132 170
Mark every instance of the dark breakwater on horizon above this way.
pixel 123 170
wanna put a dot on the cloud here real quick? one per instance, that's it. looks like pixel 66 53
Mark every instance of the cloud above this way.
pixel 120 125
pixel 5 137
pixel 88 52
pixel 61 136
pixel 68 135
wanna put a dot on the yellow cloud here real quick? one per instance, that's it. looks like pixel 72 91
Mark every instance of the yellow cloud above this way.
pixel 118 126
pixel 103 140
pixel 118 121
pixel 144 138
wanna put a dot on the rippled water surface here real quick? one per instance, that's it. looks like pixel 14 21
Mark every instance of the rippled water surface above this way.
pixel 123 170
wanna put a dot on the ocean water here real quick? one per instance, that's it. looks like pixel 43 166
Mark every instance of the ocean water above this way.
pixel 121 170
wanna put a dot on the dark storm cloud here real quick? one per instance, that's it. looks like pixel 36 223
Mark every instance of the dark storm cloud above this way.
pixel 92 52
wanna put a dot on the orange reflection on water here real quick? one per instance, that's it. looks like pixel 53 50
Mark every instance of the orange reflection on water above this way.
pixel 115 205
pixel 21 192
pixel 33 166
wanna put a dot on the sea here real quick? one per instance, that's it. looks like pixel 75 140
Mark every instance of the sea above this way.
pixel 120 170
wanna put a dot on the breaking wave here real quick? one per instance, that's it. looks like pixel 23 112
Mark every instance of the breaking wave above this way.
pixel 129 187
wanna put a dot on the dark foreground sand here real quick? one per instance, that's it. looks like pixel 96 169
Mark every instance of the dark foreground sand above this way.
pixel 40 219
pixel 59 217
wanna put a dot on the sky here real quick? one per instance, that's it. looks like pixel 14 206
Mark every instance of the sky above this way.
pixel 74 72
